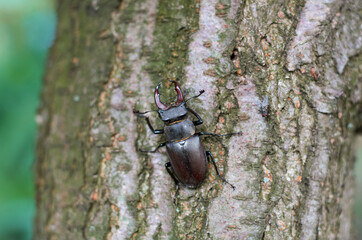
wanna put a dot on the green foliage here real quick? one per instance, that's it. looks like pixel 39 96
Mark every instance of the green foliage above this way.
pixel 26 30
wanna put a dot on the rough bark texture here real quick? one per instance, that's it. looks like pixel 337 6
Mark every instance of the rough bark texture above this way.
pixel 292 170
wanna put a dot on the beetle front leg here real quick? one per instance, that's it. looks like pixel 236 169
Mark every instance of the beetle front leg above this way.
pixel 209 154
pixel 154 150
pixel 168 166
pixel 199 120
pixel 140 114
pixel 157 131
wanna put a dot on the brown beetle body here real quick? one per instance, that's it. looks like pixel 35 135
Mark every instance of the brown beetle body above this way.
pixel 188 160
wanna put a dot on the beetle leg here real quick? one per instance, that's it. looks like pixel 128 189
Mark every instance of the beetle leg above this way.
pixel 154 150
pixel 218 135
pixel 168 166
pixel 138 113
pixel 157 131
pixel 208 153
pixel 199 120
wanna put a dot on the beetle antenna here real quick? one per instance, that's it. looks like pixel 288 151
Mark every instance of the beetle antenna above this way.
pixel 198 95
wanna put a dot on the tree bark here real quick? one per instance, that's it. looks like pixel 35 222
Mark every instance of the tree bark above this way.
pixel 292 169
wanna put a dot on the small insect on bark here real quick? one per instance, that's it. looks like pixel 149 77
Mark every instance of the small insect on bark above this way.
pixel 188 158
pixel 264 107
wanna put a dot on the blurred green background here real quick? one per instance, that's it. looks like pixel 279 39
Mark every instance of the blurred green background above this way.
pixel 26 32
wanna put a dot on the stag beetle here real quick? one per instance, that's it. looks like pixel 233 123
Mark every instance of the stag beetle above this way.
pixel 188 158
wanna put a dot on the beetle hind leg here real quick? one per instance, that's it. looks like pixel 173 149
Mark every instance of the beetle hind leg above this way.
pixel 209 154
pixel 177 182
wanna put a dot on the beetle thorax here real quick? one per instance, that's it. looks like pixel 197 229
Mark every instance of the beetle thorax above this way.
pixel 179 130
pixel 173 113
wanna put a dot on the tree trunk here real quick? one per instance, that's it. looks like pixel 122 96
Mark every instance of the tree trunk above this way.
pixel 292 169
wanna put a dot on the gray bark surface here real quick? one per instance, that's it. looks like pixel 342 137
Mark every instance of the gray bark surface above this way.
pixel 292 170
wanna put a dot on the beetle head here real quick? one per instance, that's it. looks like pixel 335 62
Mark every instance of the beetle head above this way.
pixel 174 110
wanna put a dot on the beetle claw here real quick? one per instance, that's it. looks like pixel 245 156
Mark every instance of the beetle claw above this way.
pixel 180 97
pixel 159 104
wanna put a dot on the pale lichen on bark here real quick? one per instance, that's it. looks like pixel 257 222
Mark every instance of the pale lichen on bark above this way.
pixel 132 185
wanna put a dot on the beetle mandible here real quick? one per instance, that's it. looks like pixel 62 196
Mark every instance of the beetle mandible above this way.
pixel 188 158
